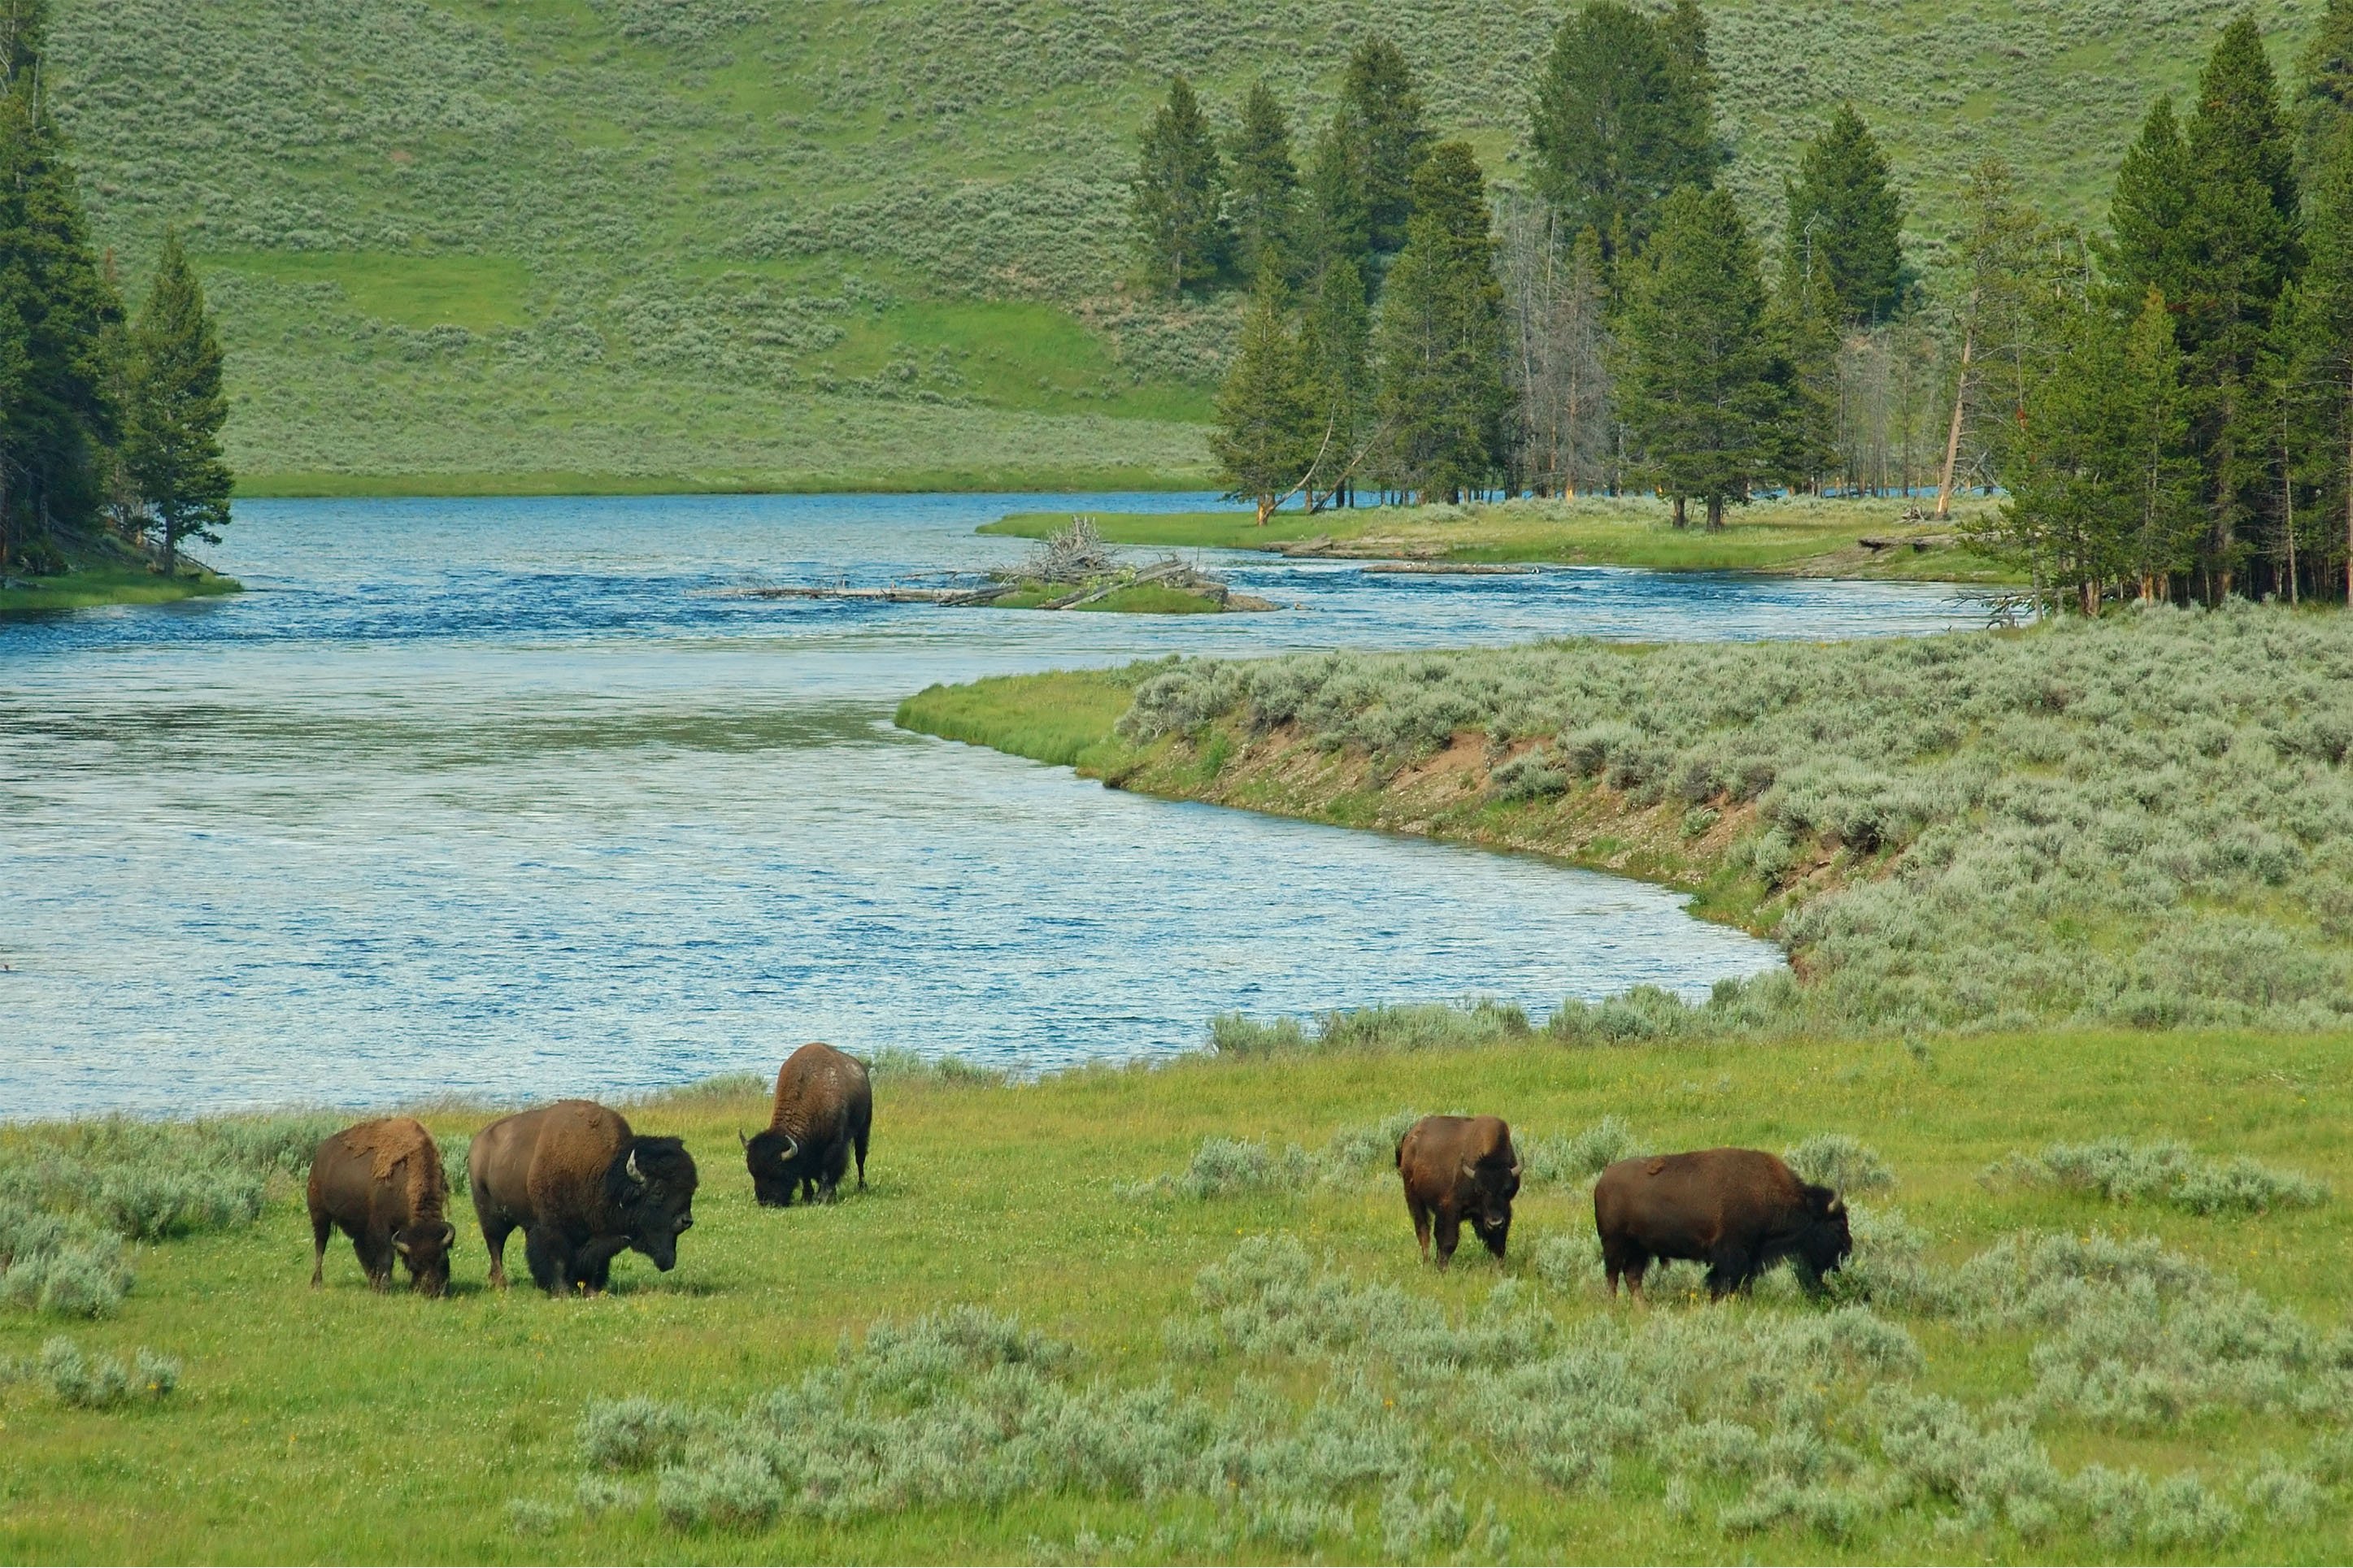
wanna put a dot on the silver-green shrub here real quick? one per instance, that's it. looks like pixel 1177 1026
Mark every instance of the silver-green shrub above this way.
pixel 1842 1164
pixel 2142 819
pixel 2121 1171
pixel 102 1383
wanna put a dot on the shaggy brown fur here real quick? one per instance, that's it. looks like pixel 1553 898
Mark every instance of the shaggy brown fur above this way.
pixel 1457 1168
pixel 583 1188
pixel 1739 1211
pixel 824 1109
pixel 382 1183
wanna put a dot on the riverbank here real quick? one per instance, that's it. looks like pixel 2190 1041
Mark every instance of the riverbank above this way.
pixel 1800 538
pixel 106 571
pixel 2134 821
pixel 1044 478
pixel 1273 1303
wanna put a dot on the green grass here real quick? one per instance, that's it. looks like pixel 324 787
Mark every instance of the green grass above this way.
pixel 471 242
pixel 1058 718
pixel 1810 537
pixel 105 572
pixel 341 1425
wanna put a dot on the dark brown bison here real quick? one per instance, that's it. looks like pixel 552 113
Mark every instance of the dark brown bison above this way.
pixel 1457 1168
pixel 1739 1211
pixel 825 1106
pixel 382 1183
pixel 583 1188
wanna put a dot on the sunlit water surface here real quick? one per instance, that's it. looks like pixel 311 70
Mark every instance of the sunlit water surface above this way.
pixel 500 798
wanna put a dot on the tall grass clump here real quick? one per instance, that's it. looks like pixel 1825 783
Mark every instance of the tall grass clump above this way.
pixel 2120 1171
pixel 2145 820
pixel 72 1193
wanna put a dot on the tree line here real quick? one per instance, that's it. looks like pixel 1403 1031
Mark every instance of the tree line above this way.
pixel 2165 405
pixel 108 419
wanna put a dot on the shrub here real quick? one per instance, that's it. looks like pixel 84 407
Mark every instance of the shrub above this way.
pixel 2119 1170
pixel 534 1516
pixel 1582 1156
pixel 1835 1161
pixel 732 1490
pixel 632 1434
pixel 1224 1167
pixel 103 1382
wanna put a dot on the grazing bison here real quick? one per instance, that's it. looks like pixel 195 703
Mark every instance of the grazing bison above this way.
pixel 382 1183
pixel 1739 1211
pixel 824 1106
pixel 1459 1167
pixel 583 1188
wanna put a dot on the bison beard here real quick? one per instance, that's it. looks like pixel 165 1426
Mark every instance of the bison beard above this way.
pixel 1738 1211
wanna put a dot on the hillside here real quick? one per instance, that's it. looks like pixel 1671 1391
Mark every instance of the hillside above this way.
pixel 638 244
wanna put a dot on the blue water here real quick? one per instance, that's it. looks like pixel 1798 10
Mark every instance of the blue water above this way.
pixel 507 798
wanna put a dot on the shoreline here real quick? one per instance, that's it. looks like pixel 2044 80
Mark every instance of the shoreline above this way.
pixel 1868 540
pixel 104 572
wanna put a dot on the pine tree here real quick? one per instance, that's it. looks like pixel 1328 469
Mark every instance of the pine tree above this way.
pixel 2324 94
pixel 2162 533
pixel 1266 436
pixel 171 446
pixel 1338 221
pixel 1997 248
pixel 1703 390
pixel 2073 499
pixel 63 420
pixel 1443 401
pixel 1803 321
pixel 1846 222
pixel 1336 367
pixel 2242 228
pixel 1262 191
pixel 2316 345
pixel 1177 195
pixel 1382 108
pixel 1624 113
pixel 2149 217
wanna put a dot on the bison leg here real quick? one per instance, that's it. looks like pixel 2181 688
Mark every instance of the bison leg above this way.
pixel 1730 1270
pixel 1619 1259
pixel 323 1226
pixel 550 1259
pixel 496 1228
pixel 1421 1212
pixel 1450 1236
pixel 837 1165
pixel 375 1249
pixel 862 1129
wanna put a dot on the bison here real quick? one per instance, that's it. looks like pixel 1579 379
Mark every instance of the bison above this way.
pixel 583 1188
pixel 1739 1211
pixel 825 1106
pixel 382 1183
pixel 1459 1167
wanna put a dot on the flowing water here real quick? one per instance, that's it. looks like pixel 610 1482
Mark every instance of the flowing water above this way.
pixel 500 798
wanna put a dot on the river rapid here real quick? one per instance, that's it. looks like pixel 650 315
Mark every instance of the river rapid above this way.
pixel 505 799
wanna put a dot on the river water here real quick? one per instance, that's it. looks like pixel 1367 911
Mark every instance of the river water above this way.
pixel 500 798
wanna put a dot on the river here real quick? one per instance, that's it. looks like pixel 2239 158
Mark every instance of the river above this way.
pixel 501 799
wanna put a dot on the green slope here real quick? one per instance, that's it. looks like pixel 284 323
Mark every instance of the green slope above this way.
pixel 632 243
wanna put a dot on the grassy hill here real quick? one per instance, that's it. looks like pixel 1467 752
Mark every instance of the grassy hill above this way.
pixel 641 243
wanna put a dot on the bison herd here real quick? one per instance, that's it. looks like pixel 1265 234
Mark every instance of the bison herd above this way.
pixel 584 1187
pixel 581 1185
pixel 1738 1211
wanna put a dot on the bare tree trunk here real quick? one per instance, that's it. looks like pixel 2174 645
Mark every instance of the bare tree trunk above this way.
pixel 1715 513
pixel 1953 433
pixel 1681 521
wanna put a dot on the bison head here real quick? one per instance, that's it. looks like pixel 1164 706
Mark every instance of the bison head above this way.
pixel 650 1188
pixel 773 1158
pixel 426 1249
pixel 1824 1240
pixel 1496 1181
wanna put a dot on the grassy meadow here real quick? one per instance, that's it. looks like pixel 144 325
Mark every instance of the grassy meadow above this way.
pixel 1801 536
pixel 1256 1365
pixel 105 572
pixel 733 243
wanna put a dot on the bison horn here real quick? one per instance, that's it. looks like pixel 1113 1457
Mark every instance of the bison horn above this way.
pixel 1838 1203
pixel 792 1148
pixel 448 1234
pixel 741 1140
pixel 635 1174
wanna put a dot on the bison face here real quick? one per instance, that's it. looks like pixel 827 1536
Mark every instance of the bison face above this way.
pixel 650 1189
pixel 425 1250
pixel 1494 1187
pixel 1827 1241
pixel 772 1158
